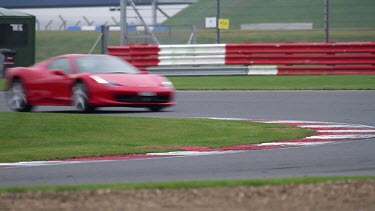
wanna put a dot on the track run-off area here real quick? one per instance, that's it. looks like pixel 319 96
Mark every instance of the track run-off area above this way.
pixel 343 145
pixel 325 133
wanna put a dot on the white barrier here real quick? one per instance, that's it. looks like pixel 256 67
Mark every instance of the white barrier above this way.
pixel 262 70
pixel 193 50
pixel 192 60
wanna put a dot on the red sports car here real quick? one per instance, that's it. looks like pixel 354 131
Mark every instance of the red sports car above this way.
pixel 86 81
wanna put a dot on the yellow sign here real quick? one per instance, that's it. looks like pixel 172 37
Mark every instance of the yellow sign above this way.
pixel 223 23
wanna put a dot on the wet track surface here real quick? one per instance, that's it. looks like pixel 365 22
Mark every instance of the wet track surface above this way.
pixel 349 158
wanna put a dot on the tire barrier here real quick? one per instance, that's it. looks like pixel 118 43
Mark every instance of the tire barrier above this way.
pixel 253 58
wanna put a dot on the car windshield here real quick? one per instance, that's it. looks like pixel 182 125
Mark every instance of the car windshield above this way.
pixel 104 64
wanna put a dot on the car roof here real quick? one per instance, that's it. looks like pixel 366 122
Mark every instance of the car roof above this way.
pixel 44 62
pixel 78 55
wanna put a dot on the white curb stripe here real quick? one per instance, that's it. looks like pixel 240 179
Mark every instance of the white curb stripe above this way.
pixel 262 70
pixel 347 131
pixel 296 122
pixel 38 163
pixel 293 143
pixel 354 136
pixel 194 153
pixel 335 126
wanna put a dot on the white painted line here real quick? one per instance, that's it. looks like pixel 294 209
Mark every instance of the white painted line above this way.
pixel 228 118
pixel 335 126
pixel 194 153
pixel 38 163
pixel 293 143
pixel 297 122
pixel 347 131
pixel 354 136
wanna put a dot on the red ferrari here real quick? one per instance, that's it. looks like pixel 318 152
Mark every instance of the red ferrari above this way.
pixel 86 82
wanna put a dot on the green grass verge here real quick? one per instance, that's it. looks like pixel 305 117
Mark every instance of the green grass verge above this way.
pixel 187 184
pixel 46 136
pixel 326 82
pixel 53 43
pixel 2 84
pixel 242 36
pixel 276 11
pixel 323 82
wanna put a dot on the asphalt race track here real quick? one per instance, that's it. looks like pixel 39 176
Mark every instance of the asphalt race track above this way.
pixel 347 158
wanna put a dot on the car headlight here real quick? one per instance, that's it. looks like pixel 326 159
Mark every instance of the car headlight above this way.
pixel 99 79
pixel 167 83
pixel 103 81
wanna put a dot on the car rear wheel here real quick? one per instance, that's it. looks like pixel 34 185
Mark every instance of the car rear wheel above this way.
pixel 81 99
pixel 16 97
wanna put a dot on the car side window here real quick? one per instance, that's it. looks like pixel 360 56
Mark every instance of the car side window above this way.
pixel 60 64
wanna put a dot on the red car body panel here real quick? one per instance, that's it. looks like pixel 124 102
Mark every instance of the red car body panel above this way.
pixel 45 86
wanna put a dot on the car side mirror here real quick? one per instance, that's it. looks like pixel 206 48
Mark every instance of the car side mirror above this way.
pixel 58 72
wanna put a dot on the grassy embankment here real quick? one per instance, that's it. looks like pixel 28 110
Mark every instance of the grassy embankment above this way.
pixel 325 82
pixel 44 136
pixel 186 184
pixel 53 43
pixel 343 13
pixel 287 11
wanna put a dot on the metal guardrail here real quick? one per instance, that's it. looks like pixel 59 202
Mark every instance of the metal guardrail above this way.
pixel 199 70
pixel 219 70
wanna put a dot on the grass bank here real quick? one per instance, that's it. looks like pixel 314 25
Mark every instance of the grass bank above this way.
pixel 187 184
pixel 286 11
pixel 53 43
pixel 46 136
pixel 322 82
pixel 325 82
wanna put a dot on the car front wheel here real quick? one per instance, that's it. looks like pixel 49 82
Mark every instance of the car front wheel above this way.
pixel 16 97
pixel 156 108
pixel 81 99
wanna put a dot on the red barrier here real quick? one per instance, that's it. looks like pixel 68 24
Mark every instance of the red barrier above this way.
pixel 326 58
pixel 291 58
pixel 145 61
pixel 119 50
pixel 294 59
pixel 146 50
pixel 326 70
pixel 291 48
pixel 141 56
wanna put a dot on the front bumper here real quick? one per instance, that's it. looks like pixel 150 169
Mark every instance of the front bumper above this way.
pixel 106 96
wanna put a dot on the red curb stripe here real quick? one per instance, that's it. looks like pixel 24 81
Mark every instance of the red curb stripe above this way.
pixel 120 157
pixel 248 147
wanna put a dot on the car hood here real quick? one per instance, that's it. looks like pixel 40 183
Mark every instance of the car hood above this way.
pixel 132 80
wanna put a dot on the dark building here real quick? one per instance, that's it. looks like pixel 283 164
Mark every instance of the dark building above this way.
pixel 17 33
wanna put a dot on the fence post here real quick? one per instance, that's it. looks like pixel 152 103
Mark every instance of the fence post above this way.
pixel 217 21
pixel 105 36
pixel 326 25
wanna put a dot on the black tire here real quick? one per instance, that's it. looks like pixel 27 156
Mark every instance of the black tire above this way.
pixel 80 98
pixel 16 97
pixel 156 108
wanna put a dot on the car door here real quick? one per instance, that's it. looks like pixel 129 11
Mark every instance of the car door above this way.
pixel 57 82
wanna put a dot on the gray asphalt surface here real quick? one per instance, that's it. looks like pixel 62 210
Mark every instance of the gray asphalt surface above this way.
pixel 350 158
